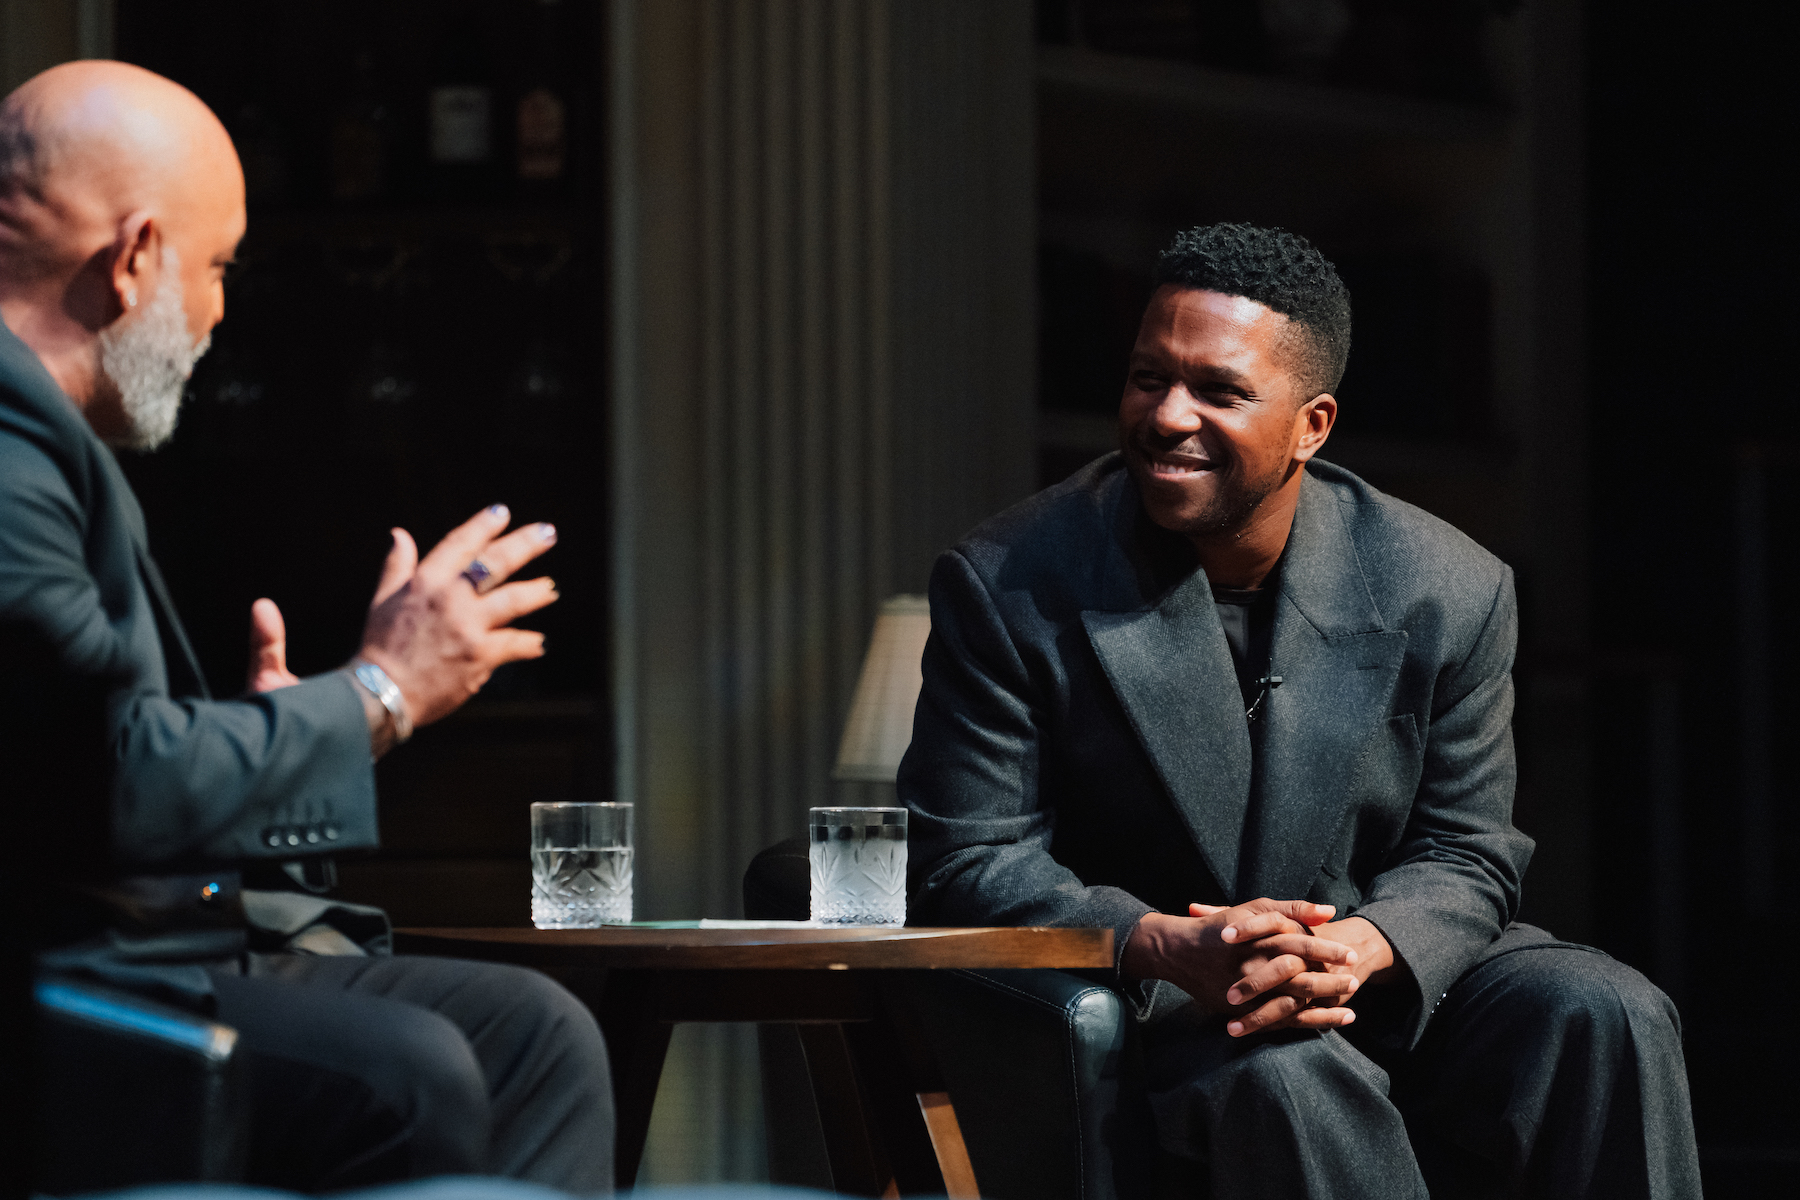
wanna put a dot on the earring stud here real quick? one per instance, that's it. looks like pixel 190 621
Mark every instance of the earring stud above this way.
pixel 131 298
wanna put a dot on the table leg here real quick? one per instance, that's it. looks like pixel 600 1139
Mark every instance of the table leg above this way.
pixel 888 1123
pixel 909 1058
pixel 858 1158
pixel 890 1097
pixel 947 1143
pixel 637 1042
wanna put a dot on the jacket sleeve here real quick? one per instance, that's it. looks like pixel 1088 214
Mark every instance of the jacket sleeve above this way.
pixel 1452 885
pixel 100 751
pixel 980 832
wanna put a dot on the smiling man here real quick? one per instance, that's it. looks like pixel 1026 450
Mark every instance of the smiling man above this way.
pixel 1255 716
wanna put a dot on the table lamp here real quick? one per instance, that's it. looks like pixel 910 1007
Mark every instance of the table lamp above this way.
pixel 881 711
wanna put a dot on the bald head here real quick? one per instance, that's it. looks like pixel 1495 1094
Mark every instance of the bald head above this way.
pixel 121 201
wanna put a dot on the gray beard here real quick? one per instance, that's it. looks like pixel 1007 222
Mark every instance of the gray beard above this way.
pixel 150 359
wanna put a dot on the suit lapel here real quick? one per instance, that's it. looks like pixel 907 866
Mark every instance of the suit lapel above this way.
pixel 1338 665
pixel 178 650
pixel 180 661
pixel 38 395
pixel 1171 670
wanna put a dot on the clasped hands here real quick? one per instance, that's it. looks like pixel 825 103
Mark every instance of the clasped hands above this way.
pixel 1267 965
pixel 437 636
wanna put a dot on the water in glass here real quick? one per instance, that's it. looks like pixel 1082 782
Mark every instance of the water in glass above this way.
pixel 580 864
pixel 577 888
pixel 858 859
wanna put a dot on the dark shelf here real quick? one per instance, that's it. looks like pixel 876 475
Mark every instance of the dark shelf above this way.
pixel 423 222
pixel 1263 99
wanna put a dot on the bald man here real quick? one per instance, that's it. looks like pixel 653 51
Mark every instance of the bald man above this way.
pixel 131 793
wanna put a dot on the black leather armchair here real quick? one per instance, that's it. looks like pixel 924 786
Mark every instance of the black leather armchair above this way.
pixel 1042 1067
pixel 133 1092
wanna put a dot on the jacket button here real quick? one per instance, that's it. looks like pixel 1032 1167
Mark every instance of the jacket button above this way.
pixel 272 836
pixel 312 833
pixel 293 838
pixel 331 833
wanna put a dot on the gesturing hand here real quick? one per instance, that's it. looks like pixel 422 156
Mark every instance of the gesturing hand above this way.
pixel 268 649
pixel 434 633
pixel 1225 958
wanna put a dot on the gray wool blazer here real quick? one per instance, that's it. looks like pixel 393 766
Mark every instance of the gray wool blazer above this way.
pixel 1080 754
pixel 129 793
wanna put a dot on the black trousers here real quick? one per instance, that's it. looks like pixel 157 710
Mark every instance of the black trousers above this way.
pixel 369 1070
pixel 1548 1070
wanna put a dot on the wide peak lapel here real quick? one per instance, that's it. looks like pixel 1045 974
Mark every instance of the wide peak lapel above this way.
pixel 1171 669
pixel 183 665
pixel 1338 665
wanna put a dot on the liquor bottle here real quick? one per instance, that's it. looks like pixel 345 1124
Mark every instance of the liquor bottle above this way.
pixel 529 420
pixel 541 109
pixel 460 110
pixel 362 138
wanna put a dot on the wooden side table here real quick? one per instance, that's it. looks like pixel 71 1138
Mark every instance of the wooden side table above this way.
pixel 890 1128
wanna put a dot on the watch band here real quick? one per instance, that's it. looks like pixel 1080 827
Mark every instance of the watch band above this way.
pixel 385 690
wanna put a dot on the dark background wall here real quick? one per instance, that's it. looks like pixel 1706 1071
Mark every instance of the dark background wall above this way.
pixel 1690 463
pixel 1594 388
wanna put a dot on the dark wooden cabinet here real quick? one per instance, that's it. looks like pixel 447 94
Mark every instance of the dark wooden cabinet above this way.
pixel 414 330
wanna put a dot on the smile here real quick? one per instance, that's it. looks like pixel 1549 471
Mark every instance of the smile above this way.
pixel 1180 468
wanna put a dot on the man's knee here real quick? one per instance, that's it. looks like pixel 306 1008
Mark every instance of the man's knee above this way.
pixel 542 1012
pixel 1569 991
pixel 1533 1023
pixel 1294 1071
pixel 1300 1113
pixel 383 1092
pixel 428 1075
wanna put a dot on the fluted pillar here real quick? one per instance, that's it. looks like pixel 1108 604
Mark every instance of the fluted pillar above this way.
pixel 822 351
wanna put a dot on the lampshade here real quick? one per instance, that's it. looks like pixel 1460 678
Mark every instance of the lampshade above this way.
pixel 881 712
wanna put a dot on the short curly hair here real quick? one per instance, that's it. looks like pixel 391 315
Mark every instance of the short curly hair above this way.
pixel 1276 268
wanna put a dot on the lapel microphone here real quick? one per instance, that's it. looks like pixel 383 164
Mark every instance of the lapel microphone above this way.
pixel 1264 686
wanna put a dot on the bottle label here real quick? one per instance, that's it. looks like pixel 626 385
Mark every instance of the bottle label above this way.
pixel 460 127
pixel 543 145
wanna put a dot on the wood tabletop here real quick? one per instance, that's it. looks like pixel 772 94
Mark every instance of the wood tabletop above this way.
pixel 851 948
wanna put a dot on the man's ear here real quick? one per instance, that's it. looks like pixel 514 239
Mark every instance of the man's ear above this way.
pixel 134 260
pixel 1312 425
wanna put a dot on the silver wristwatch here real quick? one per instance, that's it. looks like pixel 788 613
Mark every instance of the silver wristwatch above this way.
pixel 385 690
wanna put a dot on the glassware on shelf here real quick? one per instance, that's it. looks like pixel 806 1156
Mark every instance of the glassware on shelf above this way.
pixel 534 258
pixel 381 401
pixel 227 401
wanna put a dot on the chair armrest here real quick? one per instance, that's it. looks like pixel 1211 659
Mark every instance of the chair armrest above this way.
pixel 131 1092
pixel 1044 1069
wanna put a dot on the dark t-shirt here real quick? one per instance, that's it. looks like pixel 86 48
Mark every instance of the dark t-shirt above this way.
pixel 1248 615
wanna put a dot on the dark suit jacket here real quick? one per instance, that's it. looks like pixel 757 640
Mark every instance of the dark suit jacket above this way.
pixel 126 788
pixel 1080 754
